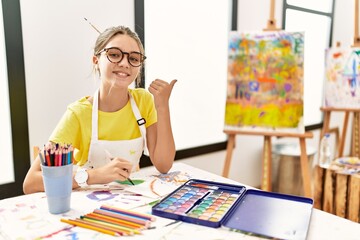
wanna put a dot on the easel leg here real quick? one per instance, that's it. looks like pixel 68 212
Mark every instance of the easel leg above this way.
pixel 343 135
pixel 266 165
pixel 305 169
pixel 229 150
pixel 326 124
pixel 355 151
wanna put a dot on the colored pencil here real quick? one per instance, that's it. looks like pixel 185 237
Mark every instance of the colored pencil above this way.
pixel 88 226
pixel 42 159
pixel 123 216
pixel 106 226
pixel 47 157
pixel 59 157
pixel 52 157
pixel 115 220
pixel 56 152
pixel 128 212
pixel 62 154
pixel 114 226
pixel 56 155
pixel 132 194
pixel 68 158
pixel 72 160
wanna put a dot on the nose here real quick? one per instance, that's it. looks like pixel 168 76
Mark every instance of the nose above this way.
pixel 125 60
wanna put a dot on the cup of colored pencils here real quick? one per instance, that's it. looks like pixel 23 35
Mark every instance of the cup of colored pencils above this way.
pixel 57 171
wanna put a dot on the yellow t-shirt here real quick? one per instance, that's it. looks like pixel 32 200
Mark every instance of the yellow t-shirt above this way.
pixel 75 125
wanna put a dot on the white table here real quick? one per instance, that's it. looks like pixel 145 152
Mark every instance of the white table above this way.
pixel 27 216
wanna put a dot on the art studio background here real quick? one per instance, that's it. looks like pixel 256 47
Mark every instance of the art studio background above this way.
pixel 49 66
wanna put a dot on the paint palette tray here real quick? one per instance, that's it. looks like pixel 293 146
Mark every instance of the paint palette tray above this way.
pixel 216 204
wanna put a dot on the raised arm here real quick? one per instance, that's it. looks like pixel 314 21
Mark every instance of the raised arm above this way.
pixel 159 135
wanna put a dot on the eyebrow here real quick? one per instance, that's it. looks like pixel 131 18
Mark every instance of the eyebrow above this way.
pixel 123 50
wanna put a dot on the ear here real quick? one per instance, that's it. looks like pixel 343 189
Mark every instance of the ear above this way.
pixel 95 60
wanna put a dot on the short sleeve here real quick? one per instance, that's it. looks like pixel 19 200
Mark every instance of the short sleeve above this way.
pixel 151 110
pixel 67 130
pixel 146 105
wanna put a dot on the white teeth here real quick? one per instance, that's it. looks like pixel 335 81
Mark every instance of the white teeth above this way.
pixel 121 74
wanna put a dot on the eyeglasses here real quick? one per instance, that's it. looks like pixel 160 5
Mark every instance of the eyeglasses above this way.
pixel 115 55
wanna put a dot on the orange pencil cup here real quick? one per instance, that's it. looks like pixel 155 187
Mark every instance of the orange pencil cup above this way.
pixel 58 187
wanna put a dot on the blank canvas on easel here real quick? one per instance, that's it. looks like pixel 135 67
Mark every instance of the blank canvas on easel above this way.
pixel 342 78
pixel 265 82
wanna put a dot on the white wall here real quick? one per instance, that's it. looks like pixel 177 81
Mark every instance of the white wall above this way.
pixel 192 50
pixel 53 32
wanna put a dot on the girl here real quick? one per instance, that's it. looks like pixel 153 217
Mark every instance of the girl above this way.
pixel 110 130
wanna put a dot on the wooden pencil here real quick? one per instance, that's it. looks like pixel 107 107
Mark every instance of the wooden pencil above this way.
pixel 88 226
pixel 113 226
pixel 115 220
pixel 47 157
pixel 105 226
pixel 69 155
pixel 42 159
pixel 128 212
pixel 146 223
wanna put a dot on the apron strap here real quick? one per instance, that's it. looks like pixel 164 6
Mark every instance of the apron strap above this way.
pixel 94 123
pixel 141 121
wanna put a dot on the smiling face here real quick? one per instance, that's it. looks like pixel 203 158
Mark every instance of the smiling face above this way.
pixel 122 74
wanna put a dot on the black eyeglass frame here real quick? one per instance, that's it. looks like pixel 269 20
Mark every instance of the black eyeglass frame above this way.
pixel 143 57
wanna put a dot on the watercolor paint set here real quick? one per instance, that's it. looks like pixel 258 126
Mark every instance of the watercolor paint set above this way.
pixel 216 204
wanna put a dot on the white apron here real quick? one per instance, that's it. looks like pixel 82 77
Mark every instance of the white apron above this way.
pixel 101 151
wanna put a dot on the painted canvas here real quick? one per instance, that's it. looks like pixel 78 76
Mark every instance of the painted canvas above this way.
pixel 342 78
pixel 265 82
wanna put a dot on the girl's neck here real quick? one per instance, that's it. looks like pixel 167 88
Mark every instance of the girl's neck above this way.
pixel 112 99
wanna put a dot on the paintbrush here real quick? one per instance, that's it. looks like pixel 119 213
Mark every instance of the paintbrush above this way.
pixel 92 25
pixel 108 155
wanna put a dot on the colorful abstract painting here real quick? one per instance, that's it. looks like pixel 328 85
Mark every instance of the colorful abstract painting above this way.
pixel 265 82
pixel 342 78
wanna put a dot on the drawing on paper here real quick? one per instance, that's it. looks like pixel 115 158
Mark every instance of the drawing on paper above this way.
pixel 342 78
pixel 102 195
pixel 127 182
pixel 171 179
pixel 265 82
pixel 175 177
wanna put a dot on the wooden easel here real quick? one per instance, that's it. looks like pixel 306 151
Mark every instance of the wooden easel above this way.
pixel 267 159
pixel 355 144
pixel 271 23
pixel 356 25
